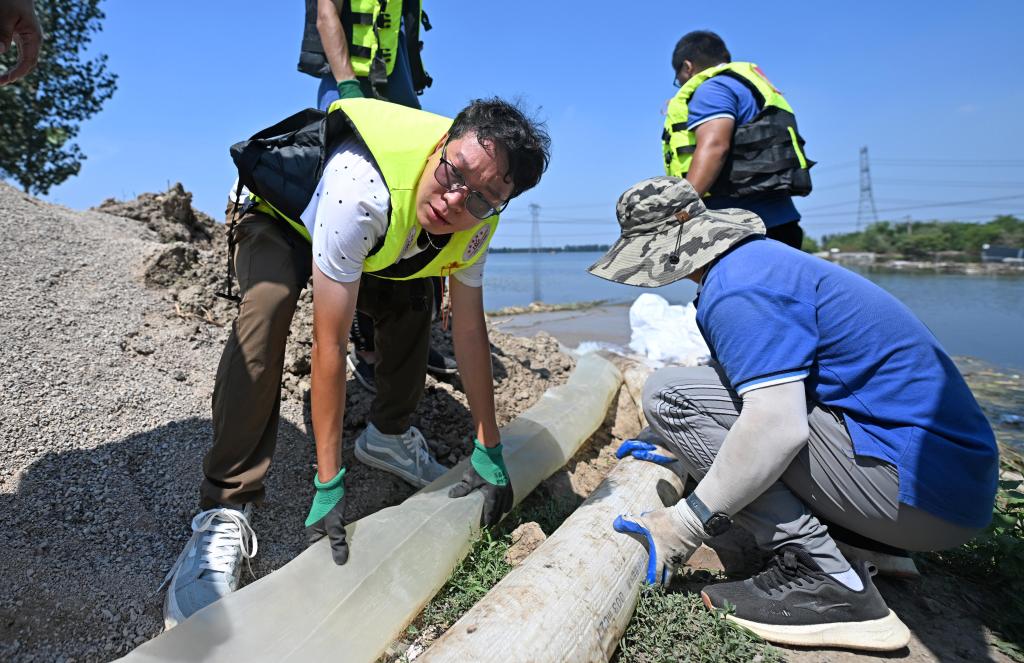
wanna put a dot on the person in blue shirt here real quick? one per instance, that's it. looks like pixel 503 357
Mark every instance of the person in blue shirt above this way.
pixel 827 401
pixel 718 106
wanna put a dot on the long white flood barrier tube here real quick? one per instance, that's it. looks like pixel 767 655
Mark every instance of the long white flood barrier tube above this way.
pixel 399 557
pixel 572 599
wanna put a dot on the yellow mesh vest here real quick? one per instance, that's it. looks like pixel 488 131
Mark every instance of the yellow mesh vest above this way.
pixel 677 142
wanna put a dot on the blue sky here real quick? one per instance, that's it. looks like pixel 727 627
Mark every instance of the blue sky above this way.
pixel 929 88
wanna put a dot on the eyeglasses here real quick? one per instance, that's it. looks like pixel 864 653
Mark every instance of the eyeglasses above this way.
pixel 448 176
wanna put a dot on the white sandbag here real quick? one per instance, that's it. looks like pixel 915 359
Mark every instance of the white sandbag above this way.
pixel 665 333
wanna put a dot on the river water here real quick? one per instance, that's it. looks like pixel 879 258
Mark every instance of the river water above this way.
pixel 979 316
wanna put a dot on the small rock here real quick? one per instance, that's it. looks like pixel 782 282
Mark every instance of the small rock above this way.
pixel 179 376
pixel 525 539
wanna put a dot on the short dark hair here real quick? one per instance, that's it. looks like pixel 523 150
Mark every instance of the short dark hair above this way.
pixel 525 140
pixel 701 47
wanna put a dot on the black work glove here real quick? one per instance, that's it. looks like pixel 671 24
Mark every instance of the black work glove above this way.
pixel 327 516
pixel 487 472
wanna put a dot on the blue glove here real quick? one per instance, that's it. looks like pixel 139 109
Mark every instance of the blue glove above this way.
pixel 642 451
pixel 670 535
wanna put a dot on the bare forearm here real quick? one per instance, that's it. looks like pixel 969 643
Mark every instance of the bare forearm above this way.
pixel 332 36
pixel 328 407
pixel 708 160
pixel 473 354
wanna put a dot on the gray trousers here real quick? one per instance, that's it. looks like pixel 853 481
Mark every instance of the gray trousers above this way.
pixel 691 410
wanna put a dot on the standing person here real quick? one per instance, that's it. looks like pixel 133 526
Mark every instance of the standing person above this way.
pixel 18 24
pixel 732 135
pixel 365 48
pixel 828 399
pixel 404 195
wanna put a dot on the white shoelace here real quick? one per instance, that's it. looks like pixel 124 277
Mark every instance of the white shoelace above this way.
pixel 417 445
pixel 226 531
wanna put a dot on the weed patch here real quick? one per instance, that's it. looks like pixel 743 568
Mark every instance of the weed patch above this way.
pixel 675 626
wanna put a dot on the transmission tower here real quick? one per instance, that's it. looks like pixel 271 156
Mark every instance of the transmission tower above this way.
pixel 535 249
pixel 866 206
pixel 535 230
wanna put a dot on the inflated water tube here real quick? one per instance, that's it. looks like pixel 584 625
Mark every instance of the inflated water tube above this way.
pixel 311 609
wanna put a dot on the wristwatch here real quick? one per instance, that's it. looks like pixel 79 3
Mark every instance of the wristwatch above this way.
pixel 714 523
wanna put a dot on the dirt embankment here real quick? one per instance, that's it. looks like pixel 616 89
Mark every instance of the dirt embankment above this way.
pixel 112 337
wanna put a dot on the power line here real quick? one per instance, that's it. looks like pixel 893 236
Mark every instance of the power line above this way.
pixel 948 163
pixel 948 203
pixel 956 183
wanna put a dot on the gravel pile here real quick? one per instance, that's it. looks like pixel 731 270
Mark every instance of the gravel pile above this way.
pixel 111 338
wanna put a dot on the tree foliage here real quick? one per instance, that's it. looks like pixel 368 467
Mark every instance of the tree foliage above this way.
pixel 41 113
pixel 922 239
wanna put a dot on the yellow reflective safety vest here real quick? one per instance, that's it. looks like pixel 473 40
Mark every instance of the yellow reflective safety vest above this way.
pixel 375 25
pixel 767 154
pixel 401 140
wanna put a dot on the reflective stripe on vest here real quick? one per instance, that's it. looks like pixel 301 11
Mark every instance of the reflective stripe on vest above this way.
pixel 678 143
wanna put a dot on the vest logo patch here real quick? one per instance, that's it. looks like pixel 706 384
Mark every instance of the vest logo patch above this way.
pixel 408 242
pixel 476 243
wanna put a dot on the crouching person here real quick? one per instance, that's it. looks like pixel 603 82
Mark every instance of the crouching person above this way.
pixel 827 401
pixel 370 199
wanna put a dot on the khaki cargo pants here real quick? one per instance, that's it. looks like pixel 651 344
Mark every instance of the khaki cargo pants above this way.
pixel 274 264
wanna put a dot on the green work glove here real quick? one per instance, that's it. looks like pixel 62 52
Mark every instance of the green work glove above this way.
pixel 327 516
pixel 350 89
pixel 487 472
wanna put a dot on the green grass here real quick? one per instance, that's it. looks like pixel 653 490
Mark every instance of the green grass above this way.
pixel 485 564
pixel 667 626
pixel 675 626
pixel 482 568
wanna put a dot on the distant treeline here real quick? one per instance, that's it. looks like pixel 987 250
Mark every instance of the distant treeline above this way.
pixel 922 239
pixel 581 248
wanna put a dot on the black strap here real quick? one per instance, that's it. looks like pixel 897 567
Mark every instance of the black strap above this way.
pixel 678 126
pixel 409 266
pixel 229 276
pixel 362 18
pixel 686 149
pixel 761 101
pixel 421 80
pixel 360 51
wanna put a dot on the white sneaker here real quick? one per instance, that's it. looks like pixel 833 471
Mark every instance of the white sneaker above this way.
pixel 209 566
pixel 404 455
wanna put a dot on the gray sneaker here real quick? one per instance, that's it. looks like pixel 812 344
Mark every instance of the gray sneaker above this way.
pixel 209 566
pixel 404 455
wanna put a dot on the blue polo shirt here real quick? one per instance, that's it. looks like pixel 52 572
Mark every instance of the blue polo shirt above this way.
pixel 772 314
pixel 724 96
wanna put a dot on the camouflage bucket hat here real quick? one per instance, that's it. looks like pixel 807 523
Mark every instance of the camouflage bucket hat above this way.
pixel 667 233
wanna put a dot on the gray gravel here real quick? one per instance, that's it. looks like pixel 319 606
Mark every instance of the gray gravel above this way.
pixel 107 369
pixel 105 393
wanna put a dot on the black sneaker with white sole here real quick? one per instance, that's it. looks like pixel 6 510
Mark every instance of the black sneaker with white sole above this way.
pixel 440 364
pixel 361 370
pixel 794 602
